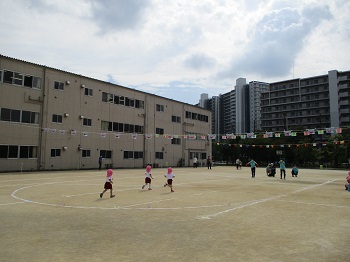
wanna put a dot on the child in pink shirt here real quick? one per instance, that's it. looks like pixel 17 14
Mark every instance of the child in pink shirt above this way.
pixel 108 184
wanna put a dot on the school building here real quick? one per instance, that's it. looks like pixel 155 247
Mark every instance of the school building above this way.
pixel 51 119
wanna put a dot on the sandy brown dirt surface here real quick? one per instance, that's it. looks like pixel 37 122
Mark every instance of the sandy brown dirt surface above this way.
pixel 214 215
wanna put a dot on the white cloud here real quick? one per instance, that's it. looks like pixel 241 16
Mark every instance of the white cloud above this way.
pixel 118 14
pixel 279 37
pixel 192 46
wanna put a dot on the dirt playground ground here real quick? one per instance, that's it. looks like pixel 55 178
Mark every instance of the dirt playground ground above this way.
pixel 220 214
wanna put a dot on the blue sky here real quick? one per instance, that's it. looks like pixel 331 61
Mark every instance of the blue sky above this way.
pixel 179 49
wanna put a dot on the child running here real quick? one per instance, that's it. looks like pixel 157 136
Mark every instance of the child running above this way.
pixel 108 184
pixel 148 178
pixel 169 177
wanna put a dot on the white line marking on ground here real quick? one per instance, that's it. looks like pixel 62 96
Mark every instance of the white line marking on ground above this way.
pixel 210 216
pixel 92 193
pixel 313 204
pixel 148 203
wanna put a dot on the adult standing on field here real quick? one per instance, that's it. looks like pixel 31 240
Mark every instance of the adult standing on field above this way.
pixel 282 168
pixel 195 160
pixel 252 164
pixel 209 162
pixel 100 162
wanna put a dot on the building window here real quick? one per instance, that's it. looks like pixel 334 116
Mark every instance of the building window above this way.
pixel 87 122
pixel 106 97
pixel 203 155
pixel 128 154
pixel 58 85
pixel 85 153
pixel 121 100
pixel 8 151
pixel 127 101
pixel 56 152
pixel 8 76
pixel 104 125
pixel 30 117
pixel 195 116
pixel 18 79
pixel 4 151
pixel 12 115
pixel 116 99
pixel 176 119
pixel 28 152
pixel 159 108
pixel 15 78
pixel 176 141
pixel 88 91
pixel 110 126
pixel 57 118
pixel 138 155
pixel 159 131
pixel 120 127
pixel 159 155
pixel 138 129
pixel 32 81
pixel 126 128
pixel 139 104
pixel 133 154
pixel 106 154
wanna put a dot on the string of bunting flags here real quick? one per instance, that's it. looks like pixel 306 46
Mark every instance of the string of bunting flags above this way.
pixel 308 132
pixel 342 142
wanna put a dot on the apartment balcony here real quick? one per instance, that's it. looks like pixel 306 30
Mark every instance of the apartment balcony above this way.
pixel 344 94
pixel 279 88
pixel 274 96
pixel 344 110
pixel 345 119
pixel 311 92
pixel 344 103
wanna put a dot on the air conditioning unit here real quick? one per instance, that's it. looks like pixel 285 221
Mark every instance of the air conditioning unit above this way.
pixel 83 86
pixel 66 115
pixel 67 82
pixel 64 148
pixel 81 117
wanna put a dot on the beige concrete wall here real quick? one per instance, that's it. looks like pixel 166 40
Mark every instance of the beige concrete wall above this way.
pixel 75 103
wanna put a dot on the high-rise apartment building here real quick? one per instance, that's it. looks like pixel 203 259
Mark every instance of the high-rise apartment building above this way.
pixel 228 110
pixel 314 102
pixel 240 105
pixel 253 102
pixel 237 111
pixel 54 120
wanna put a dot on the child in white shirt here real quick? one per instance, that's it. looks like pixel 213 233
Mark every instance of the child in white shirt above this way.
pixel 169 177
pixel 148 178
